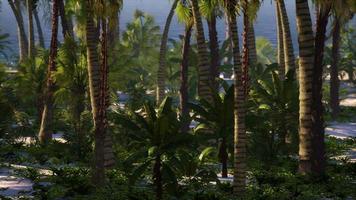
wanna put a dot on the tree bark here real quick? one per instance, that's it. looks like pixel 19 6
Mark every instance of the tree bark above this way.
pixel 280 56
pixel 39 28
pixel 287 38
pixel 204 76
pixel 318 164
pixel 334 73
pixel 214 49
pixel 223 156
pixel 31 32
pixel 306 62
pixel 66 31
pixel 251 41
pixel 184 96
pixel 161 73
pixel 157 177
pixel 23 43
pixel 46 129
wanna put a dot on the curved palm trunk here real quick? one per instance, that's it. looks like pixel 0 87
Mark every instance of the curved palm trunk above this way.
pixel 204 80
pixel 306 62
pixel 31 32
pixel 239 183
pixel 287 38
pixel 39 28
pixel 318 164
pixel 334 73
pixel 214 49
pixel 280 56
pixel 161 73
pixel 23 43
pixel 251 41
pixel 184 97
pixel 46 129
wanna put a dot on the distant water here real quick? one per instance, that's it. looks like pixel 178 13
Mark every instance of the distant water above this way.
pixel 265 24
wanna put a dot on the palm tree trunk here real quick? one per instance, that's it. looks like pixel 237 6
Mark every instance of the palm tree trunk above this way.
pixel 66 31
pixel 161 73
pixel 46 129
pixel 318 164
pixel 39 28
pixel 245 50
pixel 251 41
pixel 204 75
pixel 227 59
pixel 239 183
pixel 23 43
pixel 31 33
pixel 280 56
pixel 214 48
pixel 287 38
pixel 223 156
pixel 334 73
pixel 306 62
pixel 157 177
pixel 184 97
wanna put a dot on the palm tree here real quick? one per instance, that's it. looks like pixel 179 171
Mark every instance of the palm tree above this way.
pixel 306 62
pixel 239 183
pixel 161 74
pixel 67 29
pixel 185 16
pixel 287 39
pixel 38 26
pixel 280 55
pixel 205 78
pixel 46 129
pixel 318 146
pixel 23 43
pixel 31 35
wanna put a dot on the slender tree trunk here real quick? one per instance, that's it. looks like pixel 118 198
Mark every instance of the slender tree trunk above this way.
pixel 239 182
pixel 66 31
pixel 204 80
pixel 184 97
pixel 161 73
pixel 227 59
pixel 318 164
pixel 31 32
pixel 223 156
pixel 214 49
pixel 251 41
pixel 23 43
pixel 157 177
pixel 306 62
pixel 46 129
pixel 287 38
pixel 281 62
pixel 39 28
pixel 334 73
pixel 245 50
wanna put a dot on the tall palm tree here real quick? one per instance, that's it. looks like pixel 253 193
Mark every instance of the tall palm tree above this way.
pixel 251 43
pixel 205 79
pixel 161 74
pixel 318 164
pixel 306 62
pixel 185 15
pixel 280 56
pixel 67 30
pixel 239 183
pixel 31 32
pixel 39 27
pixel 46 129
pixel 23 43
pixel 287 38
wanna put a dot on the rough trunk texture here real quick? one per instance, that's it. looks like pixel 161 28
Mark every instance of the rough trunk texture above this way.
pixel 204 75
pixel 306 62
pixel 23 43
pixel 184 97
pixel 31 32
pixel 280 55
pixel 334 73
pixel 161 73
pixel 46 128
pixel 39 28
pixel 245 51
pixel 239 182
pixel 287 38
pixel 318 164
pixel 251 41
pixel 214 49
